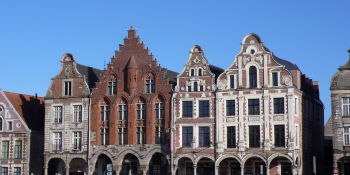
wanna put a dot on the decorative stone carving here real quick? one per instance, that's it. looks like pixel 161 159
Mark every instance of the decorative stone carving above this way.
pixel 231 119
pixel 265 97
pixel 245 60
pixel 208 87
pixel 196 60
pixel 204 61
pixel 203 95
pixel 177 88
pixel 278 118
pixel 254 118
pixel 240 98
pixel 188 83
pixel 68 70
pixel 222 84
pixel 213 87
pixel 290 96
pixel 287 80
pixel 252 92
pixel 182 88
pixel 187 95
pixel 188 62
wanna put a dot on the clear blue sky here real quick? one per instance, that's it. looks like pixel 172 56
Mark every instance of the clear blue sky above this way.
pixel 35 34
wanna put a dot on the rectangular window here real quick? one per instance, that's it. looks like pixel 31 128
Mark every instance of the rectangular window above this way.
pixel 278 105
pixel 231 137
pixel 76 140
pixel 141 111
pixel 17 171
pixel 9 125
pixel 201 88
pixel 254 136
pixel 204 108
pixel 104 113
pixel 150 86
pixel 58 114
pixel 187 136
pixel 57 141
pixel 159 110
pixel 18 149
pixel 232 81
pixel 346 105
pixel 297 136
pixel 67 88
pixel 123 136
pixel 254 106
pixel 5 150
pixel 279 136
pixel 347 136
pixel 104 135
pixel 141 135
pixel 123 112
pixel 204 136
pixel 78 114
pixel 296 106
pixel 159 133
pixel 112 88
pixel 189 88
pixel 187 109
pixel 274 79
pixel 230 107
pixel 4 171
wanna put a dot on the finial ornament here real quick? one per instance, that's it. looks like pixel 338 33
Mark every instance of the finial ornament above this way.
pixel 132 26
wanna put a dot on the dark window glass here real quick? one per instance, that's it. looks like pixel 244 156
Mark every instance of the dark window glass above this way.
pixel 192 72
pixel 274 79
pixel 159 133
pixel 201 88
pixel 112 88
pixel 278 104
pixel 254 106
pixel 150 87
pixel 159 110
pixel 204 137
pixel 254 136
pixel 187 135
pixel 231 137
pixel 189 88
pixel 195 88
pixel 232 81
pixel 0 124
pixel 187 109
pixel 199 72
pixel 252 77
pixel 203 108
pixel 279 136
pixel 230 107
pixel 67 88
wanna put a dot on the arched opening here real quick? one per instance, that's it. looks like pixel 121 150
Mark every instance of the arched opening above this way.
pixel 101 165
pixel 255 165
pixel 56 167
pixel 78 166
pixel 281 165
pixel 252 77
pixel 344 165
pixel 205 166
pixel 185 166
pixel 130 165
pixel 230 166
pixel 158 165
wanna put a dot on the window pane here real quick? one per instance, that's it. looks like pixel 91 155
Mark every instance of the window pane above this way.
pixel 203 108
pixel 274 79
pixel 187 109
pixel 232 81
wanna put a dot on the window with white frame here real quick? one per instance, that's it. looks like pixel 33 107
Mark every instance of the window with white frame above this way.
pixel 57 110
pixel 199 72
pixel 159 109
pixel 104 113
pixel 192 72
pixel 253 80
pixel 187 109
pixel 274 79
pixel 76 140
pixel 187 136
pixel 141 135
pixel 204 136
pixel 230 107
pixel 0 124
pixel 17 171
pixel 18 149
pixel 4 171
pixel 204 108
pixel 141 111
pixel 57 141
pixel 104 135
pixel 123 136
pixel 9 125
pixel 253 107
pixel 346 106
pixel 159 134
pixel 347 136
pixel 78 114
pixel 123 112
pixel 112 87
pixel 67 88
pixel 232 81
pixel 150 87
pixel 278 104
pixel 5 150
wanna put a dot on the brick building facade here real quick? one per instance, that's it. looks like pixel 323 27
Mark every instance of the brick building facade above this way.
pixel 130 113
pixel 340 119
pixel 21 134
pixel 67 110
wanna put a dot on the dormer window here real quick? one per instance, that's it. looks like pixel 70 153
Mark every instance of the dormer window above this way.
pixel 150 88
pixel 232 81
pixel 67 88
pixel 192 72
pixel 275 79
pixel 253 77
pixel 199 72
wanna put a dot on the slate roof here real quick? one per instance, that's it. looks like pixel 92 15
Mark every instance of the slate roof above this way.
pixel 287 64
pixel 216 70
pixel 91 74
pixel 170 74
pixel 30 108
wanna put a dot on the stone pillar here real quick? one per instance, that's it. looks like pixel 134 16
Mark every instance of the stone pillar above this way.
pixel 194 169
pixel 241 123
pixel 266 122
pixel 144 169
pixel 174 170
pixel 242 169
pixel 217 170
pixel 67 170
pixel 45 170
pixel 116 168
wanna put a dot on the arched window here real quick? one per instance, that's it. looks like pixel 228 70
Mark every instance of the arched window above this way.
pixel 112 85
pixel 150 87
pixel 192 72
pixel 0 124
pixel 199 72
pixel 195 88
pixel 252 77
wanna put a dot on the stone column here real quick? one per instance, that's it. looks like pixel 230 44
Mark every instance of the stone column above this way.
pixel 266 122
pixel 241 123
pixel 45 170
pixel 217 170
pixel 242 169
pixel 144 169
pixel 67 170
pixel 116 168
pixel 194 169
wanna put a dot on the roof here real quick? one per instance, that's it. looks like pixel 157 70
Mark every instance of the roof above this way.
pixel 91 74
pixel 170 74
pixel 30 108
pixel 287 64
pixel 216 70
